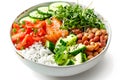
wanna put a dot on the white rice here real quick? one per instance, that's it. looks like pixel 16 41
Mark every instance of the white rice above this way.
pixel 39 54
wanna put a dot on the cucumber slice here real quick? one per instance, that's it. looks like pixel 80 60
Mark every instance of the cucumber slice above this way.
pixel 60 59
pixel 27 18
pixel 76 49
pixel 35 14
pixel 80 58
pixel 43 10
pixel 70 40
pixel 50 45
pixel 70 62
pixel 54 6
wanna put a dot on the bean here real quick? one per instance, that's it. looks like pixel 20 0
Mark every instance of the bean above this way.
pixel 90 56
pixel 103 44
pixel 94 30
pixel 96 38
pixel 92 40
pixel 104 31
pixel 91 35
pixel 86 42
pixel 95 53
pixel 79 36
pixel 106 37
pixel 88 52
pixel 96 46
pixel 84 38
pixel 85 34
pixel 101 38
pixel 98 33
pixel 79 41
pixel 92 43
pixel 99 50
pixel 90 47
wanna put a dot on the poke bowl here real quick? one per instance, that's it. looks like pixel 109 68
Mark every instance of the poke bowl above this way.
pixel 60 38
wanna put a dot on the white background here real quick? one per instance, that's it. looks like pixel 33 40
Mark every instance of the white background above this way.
pixel 11 68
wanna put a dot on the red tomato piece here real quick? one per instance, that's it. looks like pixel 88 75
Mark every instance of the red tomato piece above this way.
pixel 41 32
pixel 26 42
pixel 40 24
pixel 28 24
pixel 17 36
pixel 15 28
pixel 28 30
pixel 15 25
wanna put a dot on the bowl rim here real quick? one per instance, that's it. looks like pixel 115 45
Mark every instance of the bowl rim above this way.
pixel 107 26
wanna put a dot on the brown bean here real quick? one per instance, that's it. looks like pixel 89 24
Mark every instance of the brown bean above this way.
pixel 92 43
pixel 95 53
pixel 96 46
pixel 103 43
pixel 104 31
pixel 86 34
pixel 84 38
pixel 90 47
pixel 98 33
pixel 101 38
pixel 106 37
pixel 99 50
pixel 79 41
pixel 94 30
pixel 89 52
pixel 96 38
pixel 86 42
pixel 91 35
pixel 79 36
pixel 92 40
pixel 90 56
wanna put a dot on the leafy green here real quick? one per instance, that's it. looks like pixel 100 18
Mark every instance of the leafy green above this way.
pixel 75 16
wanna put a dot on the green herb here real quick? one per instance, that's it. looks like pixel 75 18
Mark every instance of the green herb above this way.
pixel 75 16
pixel 14 30
pixel 22 48
pixel 23 29
pixel 35 30
pixel 49 21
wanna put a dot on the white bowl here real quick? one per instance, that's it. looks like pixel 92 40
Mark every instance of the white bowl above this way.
pixel 61 71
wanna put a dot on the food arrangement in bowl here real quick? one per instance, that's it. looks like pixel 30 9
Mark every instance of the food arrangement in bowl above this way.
pixel 59 34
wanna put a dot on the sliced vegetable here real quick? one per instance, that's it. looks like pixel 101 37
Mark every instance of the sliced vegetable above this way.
pixel 50 45
pixel 58 46
pixel 54 6
pixel 26 42
pixel 70 40
pixel 27 18
pixel 60 59
pixel 76 49
pixel 80 58
pixel 70 62
pixel 44 10
pixel 35 14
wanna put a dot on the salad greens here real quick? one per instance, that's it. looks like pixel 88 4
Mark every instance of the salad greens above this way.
pixel 75 16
